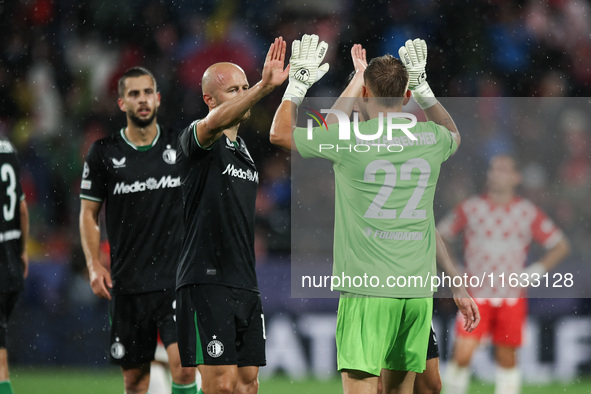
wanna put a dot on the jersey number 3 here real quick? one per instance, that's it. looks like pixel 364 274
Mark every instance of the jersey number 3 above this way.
pixel 7 175
pixel 375 210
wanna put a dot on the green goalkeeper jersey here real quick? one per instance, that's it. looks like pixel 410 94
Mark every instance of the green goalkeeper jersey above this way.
pixel 384 237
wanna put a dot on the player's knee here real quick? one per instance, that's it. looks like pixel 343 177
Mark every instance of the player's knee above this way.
pixel 434 387
pixel 136 380
pixel 135 387
pixel 182 375
pixel 222 386
pixel 462 362
pixel 250 387
pixel 428 386
pixel 462 357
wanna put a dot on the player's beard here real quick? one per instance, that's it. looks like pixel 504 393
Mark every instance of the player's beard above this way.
pixel 141 123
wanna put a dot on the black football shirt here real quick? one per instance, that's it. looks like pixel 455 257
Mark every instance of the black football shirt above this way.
pixel 219 187
pixel 11 194
pixel 140 187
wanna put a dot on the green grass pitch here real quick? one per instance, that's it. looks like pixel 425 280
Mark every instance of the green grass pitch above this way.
pixel 28 380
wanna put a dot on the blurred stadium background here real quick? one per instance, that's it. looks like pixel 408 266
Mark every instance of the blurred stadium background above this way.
pixel 60 60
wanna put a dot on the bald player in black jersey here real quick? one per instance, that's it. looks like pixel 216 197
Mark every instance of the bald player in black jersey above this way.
pixel 14 262
pixel 133 172
pixel 219 313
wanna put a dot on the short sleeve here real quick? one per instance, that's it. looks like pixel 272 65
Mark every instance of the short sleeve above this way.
pixel 544 231
pixel 188 142
pixel 453 223
pixel 448 143
pixel 94 176
pixel 319 142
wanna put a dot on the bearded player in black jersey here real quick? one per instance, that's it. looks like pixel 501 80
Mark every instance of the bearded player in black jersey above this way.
pixel 134 173
pixel 219 312
pixel 14 262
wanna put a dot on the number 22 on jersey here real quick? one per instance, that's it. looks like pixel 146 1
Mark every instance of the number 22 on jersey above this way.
pixel 410 211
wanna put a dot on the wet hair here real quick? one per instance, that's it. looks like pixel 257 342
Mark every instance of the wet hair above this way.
pixel 133 72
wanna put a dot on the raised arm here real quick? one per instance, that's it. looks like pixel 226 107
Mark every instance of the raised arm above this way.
pixel 283 125
pixel 304 71
pixel 414 56
pixel 231 112
pixel 90 236
pixel 345 103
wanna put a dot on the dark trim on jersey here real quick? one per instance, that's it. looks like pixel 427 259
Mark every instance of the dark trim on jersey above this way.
pixel 143 147
pixel 194 126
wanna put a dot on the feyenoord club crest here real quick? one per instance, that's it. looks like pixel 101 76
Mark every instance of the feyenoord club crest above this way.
pixel 117 350
pixel 215 348
pixel 169 155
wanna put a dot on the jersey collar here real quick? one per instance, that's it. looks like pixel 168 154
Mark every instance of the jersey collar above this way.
pixel 143 147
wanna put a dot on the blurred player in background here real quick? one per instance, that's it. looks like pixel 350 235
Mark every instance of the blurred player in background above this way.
pixel 134 173
pixel 14 261
pixel 400 317
pixel 498 229
pixel 428 382
pixel 220 315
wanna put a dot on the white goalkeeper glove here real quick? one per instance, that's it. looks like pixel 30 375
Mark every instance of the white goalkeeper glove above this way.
pixel 414 56
pixel 305 68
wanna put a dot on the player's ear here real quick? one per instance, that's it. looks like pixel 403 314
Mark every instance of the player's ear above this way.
pixel 209 100
pixel 121 104
pixel 407 97
pixel 158 97
pixel 364 93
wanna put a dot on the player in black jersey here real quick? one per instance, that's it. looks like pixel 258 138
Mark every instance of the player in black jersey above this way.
pixel 134 173
pixel 14 262
pixel 219 313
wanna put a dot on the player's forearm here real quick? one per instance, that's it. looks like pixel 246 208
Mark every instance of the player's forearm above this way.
pixel 443 259
pixel 24 216
pixel 283 125
pixel 446 264
pixel 90 237
pixel 346 100
pixel 555 255
pixel 438 114
pixel 230 113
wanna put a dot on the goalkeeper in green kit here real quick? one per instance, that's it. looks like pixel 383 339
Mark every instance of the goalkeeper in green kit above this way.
pixel 384 225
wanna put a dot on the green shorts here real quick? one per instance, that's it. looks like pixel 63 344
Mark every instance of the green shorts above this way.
pixel 383 333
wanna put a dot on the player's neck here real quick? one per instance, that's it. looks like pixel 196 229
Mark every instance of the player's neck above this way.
pixel 375 110
pixel 141 136
pixel 501 197
pixel 232 132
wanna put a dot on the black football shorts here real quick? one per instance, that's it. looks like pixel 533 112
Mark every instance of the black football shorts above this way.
pixel 220 325
pixel 432 348
pixel 7 303
pixel 136 320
